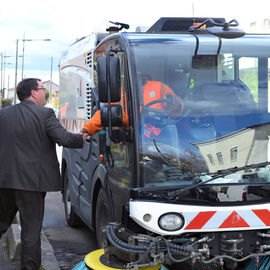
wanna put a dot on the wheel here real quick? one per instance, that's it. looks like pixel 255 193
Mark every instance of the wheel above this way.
pixel 174 107
pixel 72 219
pixel 103 216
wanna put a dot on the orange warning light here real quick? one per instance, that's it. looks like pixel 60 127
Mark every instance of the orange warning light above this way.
pixel 101 158
pixel 198 23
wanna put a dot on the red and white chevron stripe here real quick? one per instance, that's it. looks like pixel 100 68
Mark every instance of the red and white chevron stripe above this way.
pixel 251 218
pixel 203 218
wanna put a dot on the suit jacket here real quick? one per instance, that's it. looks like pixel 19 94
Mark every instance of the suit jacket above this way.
pixel 28 159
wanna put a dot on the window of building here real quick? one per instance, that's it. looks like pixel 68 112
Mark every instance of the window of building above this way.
pixel 233 153
pixel 220 158
pixel 248 74
pixel 227 72
pixel 210 157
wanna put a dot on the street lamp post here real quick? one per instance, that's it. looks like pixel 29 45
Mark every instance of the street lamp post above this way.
pixel 23 40
pixel 4 72
pixel 51 77
pixel 16 68
pixel 16 65
pixel 1 71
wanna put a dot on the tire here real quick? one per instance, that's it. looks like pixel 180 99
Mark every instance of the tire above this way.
pixel 103 216
pixel 72 219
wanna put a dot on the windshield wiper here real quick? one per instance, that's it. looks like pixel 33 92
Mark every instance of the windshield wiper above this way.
pixel 175 195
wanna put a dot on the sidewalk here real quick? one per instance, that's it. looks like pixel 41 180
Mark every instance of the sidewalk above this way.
pixel 49 261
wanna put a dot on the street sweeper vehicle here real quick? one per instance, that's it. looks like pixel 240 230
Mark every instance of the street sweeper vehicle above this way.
pixel 180 172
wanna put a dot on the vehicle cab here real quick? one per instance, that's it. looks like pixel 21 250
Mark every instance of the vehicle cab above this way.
pixel 195 171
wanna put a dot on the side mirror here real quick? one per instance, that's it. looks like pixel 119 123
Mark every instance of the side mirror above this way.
pixel 225 33
pixel 116 115
pixel 108 71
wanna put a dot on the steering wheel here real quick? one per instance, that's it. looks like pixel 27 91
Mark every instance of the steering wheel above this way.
pixel 170 103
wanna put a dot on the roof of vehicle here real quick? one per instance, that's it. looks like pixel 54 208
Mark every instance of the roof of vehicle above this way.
pixel 182 24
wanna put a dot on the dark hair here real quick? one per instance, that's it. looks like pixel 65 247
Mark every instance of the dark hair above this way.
pixel 25 87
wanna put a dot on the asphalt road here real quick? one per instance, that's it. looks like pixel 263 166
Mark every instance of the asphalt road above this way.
pixel 70 244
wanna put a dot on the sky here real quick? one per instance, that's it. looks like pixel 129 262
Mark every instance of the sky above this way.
pixel 63 22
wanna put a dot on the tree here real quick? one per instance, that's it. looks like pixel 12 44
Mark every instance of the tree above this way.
pixel 47 94
pixel 6 102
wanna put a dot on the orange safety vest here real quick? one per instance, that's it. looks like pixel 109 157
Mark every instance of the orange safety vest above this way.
pixel 154 90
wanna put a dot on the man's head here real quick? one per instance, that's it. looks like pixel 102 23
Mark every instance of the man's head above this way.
pixel 32 89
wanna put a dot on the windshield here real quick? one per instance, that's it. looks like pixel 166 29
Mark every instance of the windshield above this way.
pixel 203 107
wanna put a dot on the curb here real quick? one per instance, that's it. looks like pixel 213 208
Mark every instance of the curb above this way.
pixel 48 260
pixel 14 242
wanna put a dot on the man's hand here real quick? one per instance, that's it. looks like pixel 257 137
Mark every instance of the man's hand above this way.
pixel 84 134
pixel 83 131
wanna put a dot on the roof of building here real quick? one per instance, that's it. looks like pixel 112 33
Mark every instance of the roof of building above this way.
pixel 48 81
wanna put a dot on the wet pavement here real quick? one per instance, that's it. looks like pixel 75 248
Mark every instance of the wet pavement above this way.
pixel 70 244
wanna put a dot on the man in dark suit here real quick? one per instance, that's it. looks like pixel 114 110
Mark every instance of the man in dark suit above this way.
pixel 28 164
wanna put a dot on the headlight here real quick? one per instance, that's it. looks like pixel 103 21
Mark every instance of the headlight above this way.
pixel 171 222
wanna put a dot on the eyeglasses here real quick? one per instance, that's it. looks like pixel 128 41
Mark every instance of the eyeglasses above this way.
pixel 41 89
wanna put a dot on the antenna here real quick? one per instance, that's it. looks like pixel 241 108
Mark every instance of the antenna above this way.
pixel 193 12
